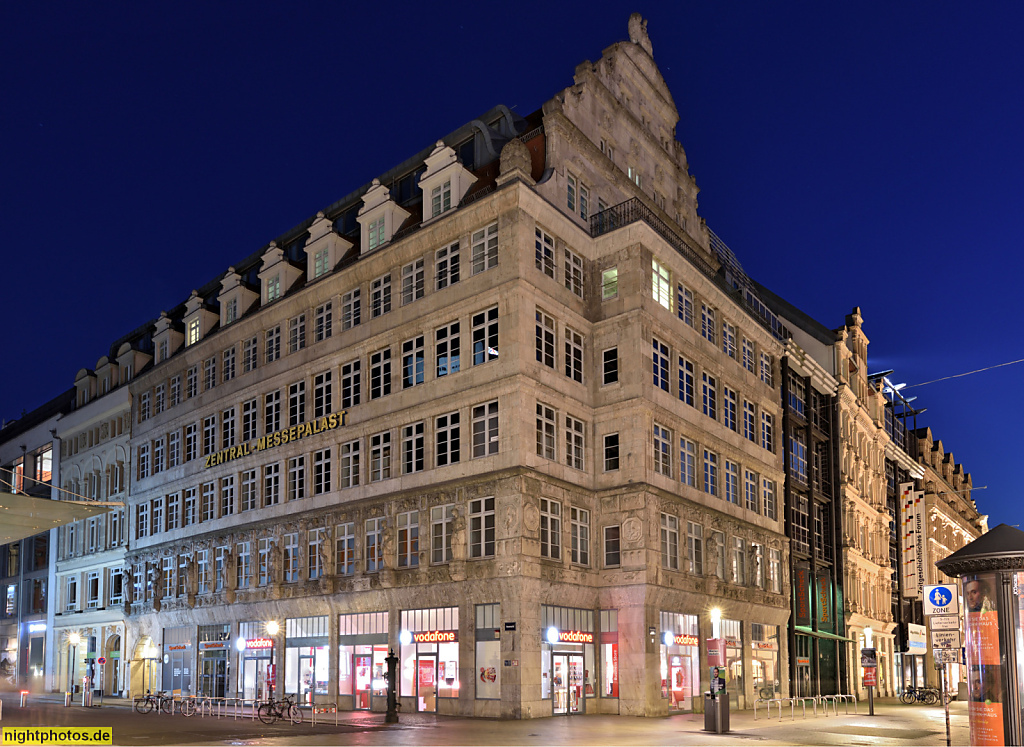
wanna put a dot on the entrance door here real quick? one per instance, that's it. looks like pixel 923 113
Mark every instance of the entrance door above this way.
pixel 254 679
pixel 679 683
pixel 115 677
pixel 363 669
pixel 426 683
pixel 567 683
pixel 307 680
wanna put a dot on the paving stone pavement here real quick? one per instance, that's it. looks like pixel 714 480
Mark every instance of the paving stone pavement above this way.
pixel 893 724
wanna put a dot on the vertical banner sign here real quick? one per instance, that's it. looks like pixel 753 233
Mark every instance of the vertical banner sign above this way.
pixel 801 594
pixel 911 562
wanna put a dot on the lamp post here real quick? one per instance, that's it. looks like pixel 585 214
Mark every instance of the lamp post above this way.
pixel 73 640
pixel 272 629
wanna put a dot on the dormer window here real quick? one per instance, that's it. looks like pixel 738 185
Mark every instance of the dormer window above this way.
pixel 380 217
pixel 320 263
pixel 231 311
pixel 193 332
pixel 444 179
pixel 274 288
pixel 441 199
pixel 162 351
pixel 376 233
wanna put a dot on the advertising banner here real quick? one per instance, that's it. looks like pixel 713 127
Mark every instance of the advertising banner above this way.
pixel 912 532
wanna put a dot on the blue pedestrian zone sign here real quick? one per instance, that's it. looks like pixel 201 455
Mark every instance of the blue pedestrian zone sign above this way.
pixel 941 600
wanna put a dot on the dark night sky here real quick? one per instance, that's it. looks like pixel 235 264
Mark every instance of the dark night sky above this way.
pixel 852 154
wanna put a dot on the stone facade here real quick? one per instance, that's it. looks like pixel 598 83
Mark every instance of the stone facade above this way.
pixel 545 458
pixel 869 583
pixel 90 554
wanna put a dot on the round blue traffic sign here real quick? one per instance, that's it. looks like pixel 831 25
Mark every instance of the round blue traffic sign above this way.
pixel 940 596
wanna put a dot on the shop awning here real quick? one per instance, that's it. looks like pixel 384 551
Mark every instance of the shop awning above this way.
pixel 822 634
pixel 22 515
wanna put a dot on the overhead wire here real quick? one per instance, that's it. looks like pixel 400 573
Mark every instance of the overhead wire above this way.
pixel 967 373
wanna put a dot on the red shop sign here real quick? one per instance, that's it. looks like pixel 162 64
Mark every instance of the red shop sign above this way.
pixel 436 636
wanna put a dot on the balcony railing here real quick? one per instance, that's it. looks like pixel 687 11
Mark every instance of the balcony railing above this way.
pixel 634 210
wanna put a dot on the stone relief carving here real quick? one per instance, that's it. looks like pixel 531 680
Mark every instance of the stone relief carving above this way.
pixel 515 155
pixel 458 535
pixel 511 521
pixel 632 530
pixel 531 517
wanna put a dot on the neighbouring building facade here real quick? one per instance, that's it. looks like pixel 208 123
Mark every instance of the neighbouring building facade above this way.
pixel 90 554
pixel 952 521
pixel 28 465
pixel 504 415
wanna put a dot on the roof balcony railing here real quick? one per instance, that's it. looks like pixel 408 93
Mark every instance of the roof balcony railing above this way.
pixel 634 210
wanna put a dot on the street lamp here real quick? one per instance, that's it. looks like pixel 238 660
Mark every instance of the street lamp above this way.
pixel 73 640
pixel 272 629
pixel 716 622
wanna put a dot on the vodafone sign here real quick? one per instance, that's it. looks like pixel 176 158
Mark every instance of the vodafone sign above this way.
pixel 575 636
pixel 255 643
pixel 436 636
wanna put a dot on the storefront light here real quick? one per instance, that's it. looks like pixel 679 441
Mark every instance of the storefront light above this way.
pixel 667 638
pixel 240 643
pixel 405 637
pixel 552 635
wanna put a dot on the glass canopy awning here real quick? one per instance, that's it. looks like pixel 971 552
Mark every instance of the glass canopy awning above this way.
pixel 23 515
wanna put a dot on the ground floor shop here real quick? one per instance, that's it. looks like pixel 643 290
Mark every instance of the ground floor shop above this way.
pixel 90 656
pixel 503 649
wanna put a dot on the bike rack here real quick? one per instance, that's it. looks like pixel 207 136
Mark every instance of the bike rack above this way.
pixel 334 709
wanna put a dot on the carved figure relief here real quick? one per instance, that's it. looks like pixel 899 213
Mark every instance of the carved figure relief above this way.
pixel 632 531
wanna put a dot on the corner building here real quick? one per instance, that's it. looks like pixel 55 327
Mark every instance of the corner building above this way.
pixel 504 410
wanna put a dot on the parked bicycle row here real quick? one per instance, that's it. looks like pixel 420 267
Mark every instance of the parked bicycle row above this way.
pixel 269 711
pixel 926 695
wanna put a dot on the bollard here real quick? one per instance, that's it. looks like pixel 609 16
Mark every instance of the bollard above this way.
pixel 67 699
pixel 24 698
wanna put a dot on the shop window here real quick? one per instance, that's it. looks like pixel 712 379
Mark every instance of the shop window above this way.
pixel 680 665
pixel 429 655
pixel 488 652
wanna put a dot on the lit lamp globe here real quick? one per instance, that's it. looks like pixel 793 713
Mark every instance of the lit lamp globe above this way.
pixel 74 639
pixel 273 628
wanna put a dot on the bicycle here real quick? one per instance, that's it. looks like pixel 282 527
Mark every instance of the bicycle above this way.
pixel 272 710
pixel 926 695
pixel 158 701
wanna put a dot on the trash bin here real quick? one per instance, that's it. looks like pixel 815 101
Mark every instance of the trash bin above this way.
pixel 716 713
pixel 24 698
pixel 67 699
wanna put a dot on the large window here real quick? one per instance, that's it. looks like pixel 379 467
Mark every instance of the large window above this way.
pixel 574 442
pixel 574 355
pixel 447 349
pixel 695 548
pixel 485 429
pixel 441 525
pixel 660 364
pixel 544 257
pixel 661 285
pixel 373 544
pixel 412 362
pixel 481 528
pixel 380 373
pixel 409 539
pixel 485 248
pixel 550 529
pixel 544 340
pixel 670 542
pixel 580 535
pixel 447 439
pixel 662 450
pixel 485 336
